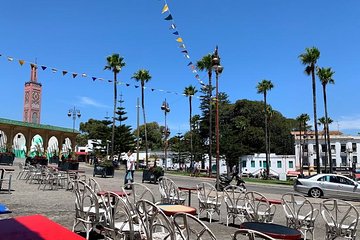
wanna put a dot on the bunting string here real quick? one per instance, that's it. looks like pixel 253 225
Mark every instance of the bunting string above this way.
pixel 85 75
pixel 180 41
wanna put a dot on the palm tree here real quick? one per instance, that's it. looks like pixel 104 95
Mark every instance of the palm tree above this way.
pixel 190 92
pixel 324 121
pixel 325 75
pixel 302 119
pixel 205 64
pixel 114 63
pixel 263 87
pixel 143 76
pixel 309 59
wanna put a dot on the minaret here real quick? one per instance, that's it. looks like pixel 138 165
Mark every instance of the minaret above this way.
pixel 32 98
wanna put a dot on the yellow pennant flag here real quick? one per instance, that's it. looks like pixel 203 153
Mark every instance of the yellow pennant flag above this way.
pixel 165 8
pixel 179 40
pixel 21 62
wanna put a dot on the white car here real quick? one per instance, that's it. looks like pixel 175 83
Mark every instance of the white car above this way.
pixel 328 185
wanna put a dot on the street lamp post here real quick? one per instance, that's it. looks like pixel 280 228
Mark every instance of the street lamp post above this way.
pixel 74 113
pixel 165 107
pixel 179 136
pixel 218 70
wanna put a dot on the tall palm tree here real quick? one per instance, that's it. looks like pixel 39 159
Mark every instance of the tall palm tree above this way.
pixel 143 76
pixel 263 87
pixel 325 75
pixel 309 59
pixel 205 64
pixel 114 63
pixel 270 113
pixel 324 121
pixel 190 92
pixel 302 119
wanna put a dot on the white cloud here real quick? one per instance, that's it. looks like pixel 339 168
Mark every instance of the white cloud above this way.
pixel 91 102
pixel 347 124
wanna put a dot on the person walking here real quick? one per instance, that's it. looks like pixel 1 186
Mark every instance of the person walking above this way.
pixel 130 168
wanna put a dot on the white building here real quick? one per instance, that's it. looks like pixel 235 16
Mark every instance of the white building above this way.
pixel 344 150
pixel 280 165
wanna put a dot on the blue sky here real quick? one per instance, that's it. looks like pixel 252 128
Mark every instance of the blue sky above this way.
pixel 258 39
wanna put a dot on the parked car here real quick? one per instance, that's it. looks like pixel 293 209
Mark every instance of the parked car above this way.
pixel 328 185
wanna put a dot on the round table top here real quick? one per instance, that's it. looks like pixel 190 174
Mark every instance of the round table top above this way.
pixel 120 193
pixel 273 230
pixel 188 188
pixel 170 210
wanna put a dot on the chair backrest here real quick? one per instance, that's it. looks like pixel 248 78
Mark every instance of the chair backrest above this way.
pixel 256 203
pixel 154 222
pixel 251 235
pixel 119 219
pixel 190 227
pixel 169 191
pixel 95 186
pixel 337 213
pixel 297 206
pixel 234 196
pixel 138 191
pixel 207 191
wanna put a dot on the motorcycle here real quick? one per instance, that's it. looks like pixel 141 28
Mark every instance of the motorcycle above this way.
pixel 225 181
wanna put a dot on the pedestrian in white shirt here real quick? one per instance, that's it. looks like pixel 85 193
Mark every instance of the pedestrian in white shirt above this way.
pixel 130 167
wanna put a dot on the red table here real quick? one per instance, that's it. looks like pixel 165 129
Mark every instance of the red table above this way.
pixel 273 230
pixel 35 227
pixel 171 210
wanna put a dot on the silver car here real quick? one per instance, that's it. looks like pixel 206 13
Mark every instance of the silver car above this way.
pixel 328 185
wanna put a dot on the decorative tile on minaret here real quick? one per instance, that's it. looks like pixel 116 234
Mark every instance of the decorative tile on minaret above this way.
pixel 32 98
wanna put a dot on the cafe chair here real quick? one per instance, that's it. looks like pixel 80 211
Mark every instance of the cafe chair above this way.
pixel 258 208
pixel 189 227
pixel 23 170
pixel 250 235
pixel 49 180
pixel 209 199
pixel 119 223
pixel 169 192
pixel 87 209
pixel 341 219
pixel 6 179
pixel 234 198
pixel 154 223
pixel 300 213
pixel 95 186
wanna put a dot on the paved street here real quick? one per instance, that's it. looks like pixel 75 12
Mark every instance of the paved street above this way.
pixel 58 205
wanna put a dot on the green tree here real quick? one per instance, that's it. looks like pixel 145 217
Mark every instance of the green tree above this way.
pixel 326 77
pixel 96 129
pixel 205 64
pixel 154 135
pixel 124 139
pixel 143 76
pixel 190 91
pixel 309 58
pixel 114 63
pixel 263 87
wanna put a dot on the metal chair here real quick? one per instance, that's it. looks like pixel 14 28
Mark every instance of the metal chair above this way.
pixel 95 186
pixel 300 213
pixel 234 198
pixel 170 192
pixel 155 224
pixel 250 235
pixel 6 178
pixel 189 227
pixel 23 170
pixel 258 208
pixel 209 199
pixel 341 218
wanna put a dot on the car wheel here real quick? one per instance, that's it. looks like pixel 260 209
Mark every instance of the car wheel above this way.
pixel 315 192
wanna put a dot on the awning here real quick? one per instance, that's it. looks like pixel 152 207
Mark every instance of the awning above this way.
pixel 81 153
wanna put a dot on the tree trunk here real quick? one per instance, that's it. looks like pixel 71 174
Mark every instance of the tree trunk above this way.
pixel 113 124
pixel 266 140
pixel 327 130
pixel 300 151
pixel 191 135
pixel 315 119
pixel 145 129
pixel 210 126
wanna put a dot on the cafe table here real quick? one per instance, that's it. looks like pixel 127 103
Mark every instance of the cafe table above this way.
pixel 273 230
pixel 34 227
pixel 118 192
pixel 172 209
pixel 189 189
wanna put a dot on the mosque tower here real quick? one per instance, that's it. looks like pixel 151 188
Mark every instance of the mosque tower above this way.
pixel 32 98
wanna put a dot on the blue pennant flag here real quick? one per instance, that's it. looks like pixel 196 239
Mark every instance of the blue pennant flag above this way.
pixel 169 17
pixel 176 33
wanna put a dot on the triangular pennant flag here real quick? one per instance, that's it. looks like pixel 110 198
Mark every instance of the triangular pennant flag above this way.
pixel 101 79
pixel 136 86
pixel 43 67
pixel 192 67
pixel 169 17
pixel 184 51
pixel 84 75
pixel 182 45
pixel 172 26
pixel 176 33
pixel 127 84
pixel 64 72
pixel 165 8
pixel 194 71
pixel 109 80
pixel 152 89
pixel 187 56
pixel 93 78
pixel 54 70
pixel 10 58
pixel 190 63
pixel 74 75
pixel 179 40
pixel 0 54
pixel 161 90
pixel 197 76
pixel 21 62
